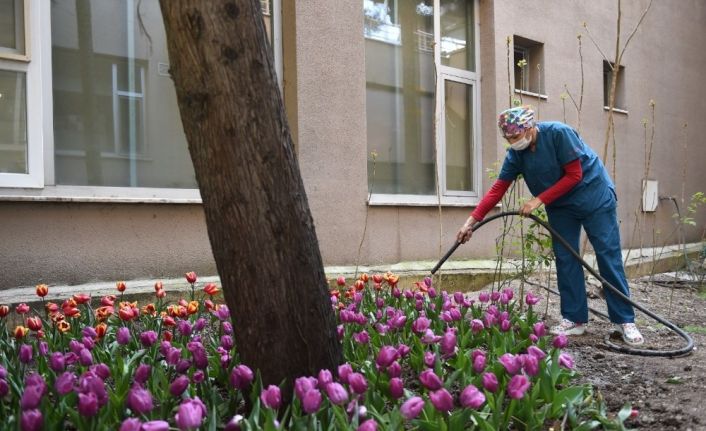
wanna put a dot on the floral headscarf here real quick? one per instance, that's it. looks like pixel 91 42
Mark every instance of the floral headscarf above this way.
pixel 516 120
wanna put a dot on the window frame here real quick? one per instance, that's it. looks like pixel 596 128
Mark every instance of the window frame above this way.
pixel 7 54
pixel 39 184
pixel 443 73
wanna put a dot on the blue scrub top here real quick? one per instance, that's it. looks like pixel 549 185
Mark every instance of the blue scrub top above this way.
pixel 558 144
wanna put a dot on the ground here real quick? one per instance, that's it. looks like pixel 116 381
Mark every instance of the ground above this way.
pixel 667 392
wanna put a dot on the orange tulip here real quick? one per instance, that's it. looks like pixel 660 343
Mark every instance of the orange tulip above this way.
pixel 56 317
pixel 149 309
pixel 364 277
pixel 104 312
pixel 63 326
pixel 4 311
pixel 69 303
pixel 42 290
pixel 193 307
pixel 359 285
pixel 20 332
pixel 120 285
pixel 34 323
pixel 211 289
pixel 101 329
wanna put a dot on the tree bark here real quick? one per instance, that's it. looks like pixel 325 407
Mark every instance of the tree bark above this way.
pixel 257 214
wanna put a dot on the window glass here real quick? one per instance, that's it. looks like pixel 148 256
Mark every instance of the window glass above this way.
pixel 400 95
pixel 458 115
pixel 13 122
pixel 116 119
pixel 457 36
pixel 11 26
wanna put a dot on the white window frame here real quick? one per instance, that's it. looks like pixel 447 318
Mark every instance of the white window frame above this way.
pixel 39 184
pixel 443 74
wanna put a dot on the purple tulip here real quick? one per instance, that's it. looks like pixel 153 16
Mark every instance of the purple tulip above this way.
pixel 311 401
pixel 396 388
pixel 429 359
pixel 505 325
pixel 511 363
pixel 302 385
pixel 494 296
pixel 227 328
pixel 190 414
pixel 85 357
pixel 227 342
pixel 155 426
pixel 31 420
pixel 430 380
pixel 490 381
pixel 477 326
pixel 173 356
pixel 369 425
pixel 442 400
pixel 479 362
pixel 484 297
pixel 148 338
pixel 4 388
pixel 530 364
pixel 448 342
pixel 560 341
pixel 241 377
pixel 139 400
pixel 65 383
pixel 361 337
pixel 57 362
pixel 88 343
pixel 566 361
pixel 200 324
pixel 91 383
pixel 183 366
pixel 43 348
pixel 325 377
pixel 101 370
pixel 36 379
pixel 421 325
pixel 344 371
pixel 234 423
pixel 472 397
pixel 184 328
pixel 271 397
pixel 26 353
pixel 131 424
pixel 32 397
pixel 142 374
pixel 539 329
pixel 179 385
pixel 518 386
pixel 412 407
pixel 531 299
pixel 337 394
pixel 88 404
pixel 3 372
pixel 386 356
pixel 358 383
pixel 536 352
pixel 123 335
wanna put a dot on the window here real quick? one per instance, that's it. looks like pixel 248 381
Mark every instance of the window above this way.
pixel 620 104
pixel 421 62
pixel 100 121
pixel 529 67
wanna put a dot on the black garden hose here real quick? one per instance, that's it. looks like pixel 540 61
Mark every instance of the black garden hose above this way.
pixel 618 348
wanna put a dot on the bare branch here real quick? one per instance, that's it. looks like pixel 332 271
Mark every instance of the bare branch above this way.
pixel 634 30
pixel 571 97
pixel 588 33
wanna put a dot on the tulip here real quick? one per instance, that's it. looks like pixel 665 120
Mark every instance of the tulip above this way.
pixel 490 382
pixel 479 362
pixel 155 426
pixel 539 329
pixel 81 298
pixel 3 372
pixel 120 285
pixel 32 397
pixel 198 376
pixel 88 404
pixel 311 401
pixel 396 388
pixel 123 335
pixel 369 425
pixel 403 350
pixel 477 326
pixel 57 362
pixel 361 337
pixel 530 364
pixel 190 277
pixel 42 290
pixel 4 311
pixel 430 380
pixel 442 400
pixel 386 356
pixel 131 424
pixel 536 352
pixel 183 365
pixel 511 363
pixel 448 342
pixel 85 358
pixel 412 407
pixel 22 309
pixel 421 325
pixel 337 394
pixel 560 341
pixel 211 289
pixel 566 361
pixel 31 420
pixel 139 400
pixel 148 338
pixel 26 353
pixel 241 377
pixel 190 414
pixel 358 383
pixel 20 332
pixel 394 370
pixel 271 397
pixel 179 385
pixel 101 370
pixel 4 388
pixel 517 386
pixel 65 383
pixel 531 299
pixel 471 397
pixel 142 374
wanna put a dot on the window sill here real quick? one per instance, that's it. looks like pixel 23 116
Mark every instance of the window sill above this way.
pixel 618 110
pixel 422 200
pixel 140 195
pixel 532 94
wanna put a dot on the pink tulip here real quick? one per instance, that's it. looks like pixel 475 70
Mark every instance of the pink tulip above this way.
pixel 412 407
pixel 511 363
pixel 337 394
pixel 442 400
pixel 490 382
pixel 358 383
pixel 517 386
pixel 271 397
pixel 471 397
pixel 369 425
pixel 311 401
pixel 566 361
pixel 560 341
pixel 396 388
pixel 430 380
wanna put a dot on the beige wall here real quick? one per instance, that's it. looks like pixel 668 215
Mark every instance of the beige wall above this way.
pixel 324 86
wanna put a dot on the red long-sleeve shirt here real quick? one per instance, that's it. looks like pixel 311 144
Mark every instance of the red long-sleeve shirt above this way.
pixel 572 176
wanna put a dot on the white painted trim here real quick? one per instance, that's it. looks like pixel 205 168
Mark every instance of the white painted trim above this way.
pixel 618 110
pixel 378 199
pixel 532 94
pixel 102 195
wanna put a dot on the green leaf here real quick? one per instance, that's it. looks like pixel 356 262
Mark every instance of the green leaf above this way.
pixel 624 413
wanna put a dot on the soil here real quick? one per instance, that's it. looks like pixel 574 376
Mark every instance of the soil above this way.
pixel 667 392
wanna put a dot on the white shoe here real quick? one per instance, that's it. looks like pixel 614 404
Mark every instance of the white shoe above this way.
pixel 567 327
pixel 631 335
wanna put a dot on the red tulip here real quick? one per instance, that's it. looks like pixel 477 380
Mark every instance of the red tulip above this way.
pixel 34 323
pixel 42 290
pixel 190 277
pixel 120 285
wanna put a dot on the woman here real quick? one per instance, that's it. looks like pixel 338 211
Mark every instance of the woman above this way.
pixel 565 175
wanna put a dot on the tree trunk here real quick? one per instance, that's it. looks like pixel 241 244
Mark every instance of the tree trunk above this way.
pixel 257 214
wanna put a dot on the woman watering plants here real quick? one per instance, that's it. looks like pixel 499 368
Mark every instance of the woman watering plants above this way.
pixel 565 175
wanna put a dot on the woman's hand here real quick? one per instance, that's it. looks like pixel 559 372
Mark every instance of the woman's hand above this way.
pixel 466 231
pixel 530 206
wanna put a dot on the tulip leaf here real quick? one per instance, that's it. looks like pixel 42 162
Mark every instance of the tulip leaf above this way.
pixel 624 413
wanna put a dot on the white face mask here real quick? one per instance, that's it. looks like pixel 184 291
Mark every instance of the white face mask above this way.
pixel 521 144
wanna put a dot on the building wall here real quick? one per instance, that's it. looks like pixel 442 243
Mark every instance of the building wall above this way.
pixel 324 86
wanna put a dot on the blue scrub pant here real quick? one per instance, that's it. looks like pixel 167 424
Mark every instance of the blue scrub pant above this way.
pixel 602 229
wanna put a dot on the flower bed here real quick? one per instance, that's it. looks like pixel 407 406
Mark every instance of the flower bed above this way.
pixel 415 359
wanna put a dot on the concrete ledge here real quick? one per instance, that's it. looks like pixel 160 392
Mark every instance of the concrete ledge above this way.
pixel 461 275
